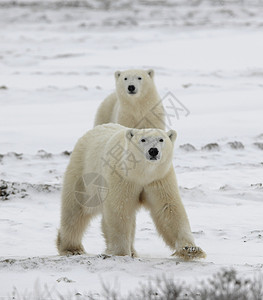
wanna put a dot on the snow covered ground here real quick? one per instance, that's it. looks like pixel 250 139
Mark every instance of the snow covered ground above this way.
pixel 57 65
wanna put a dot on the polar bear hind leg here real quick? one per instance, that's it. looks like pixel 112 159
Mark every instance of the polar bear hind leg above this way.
pixel 74 220
pixel 72 228
pixel 133 251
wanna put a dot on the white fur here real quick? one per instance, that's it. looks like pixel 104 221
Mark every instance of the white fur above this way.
pixel 151 183
pixel 143 109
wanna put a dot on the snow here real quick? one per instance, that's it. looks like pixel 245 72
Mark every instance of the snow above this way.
pixel 57 65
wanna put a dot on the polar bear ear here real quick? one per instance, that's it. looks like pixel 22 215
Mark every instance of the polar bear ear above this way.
pixel 129 134
pixel 150 72
pixel 117 74
pixel 172 135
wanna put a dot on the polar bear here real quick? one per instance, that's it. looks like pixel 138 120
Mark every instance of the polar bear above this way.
pixel 113 170
pixel 135 103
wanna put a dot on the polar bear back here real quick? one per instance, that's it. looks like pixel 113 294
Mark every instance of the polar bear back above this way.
pixel 91 147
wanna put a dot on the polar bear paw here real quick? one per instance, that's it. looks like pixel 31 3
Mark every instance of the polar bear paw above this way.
pixel 190 253
pixel 69 251
pixel 74 252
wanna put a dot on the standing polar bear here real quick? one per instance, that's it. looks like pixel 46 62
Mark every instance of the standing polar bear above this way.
pixel 128 168
pixel 135 103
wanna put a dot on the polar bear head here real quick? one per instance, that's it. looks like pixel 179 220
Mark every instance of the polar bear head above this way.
pixel 151 153
pixel 134 84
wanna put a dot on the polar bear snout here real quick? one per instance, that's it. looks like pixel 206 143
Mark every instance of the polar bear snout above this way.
pixel 131 89
pixel 153 154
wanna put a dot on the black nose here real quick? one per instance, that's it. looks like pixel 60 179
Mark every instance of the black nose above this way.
pixel 153 151
pixel 131 88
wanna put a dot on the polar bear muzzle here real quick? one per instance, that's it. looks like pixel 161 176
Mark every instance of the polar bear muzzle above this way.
pixel 131 89
pixel 153 154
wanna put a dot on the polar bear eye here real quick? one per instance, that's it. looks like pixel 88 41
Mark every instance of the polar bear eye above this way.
pixel 143 140
pixel 161 140
pixel 125 78
pixel 139 78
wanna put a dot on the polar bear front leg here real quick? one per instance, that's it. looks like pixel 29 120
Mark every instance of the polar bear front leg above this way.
pixel 117 235
pixel 118 222
pixel 167 210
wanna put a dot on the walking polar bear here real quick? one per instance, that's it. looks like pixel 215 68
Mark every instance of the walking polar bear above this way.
pixel 128 168
pixel 135 103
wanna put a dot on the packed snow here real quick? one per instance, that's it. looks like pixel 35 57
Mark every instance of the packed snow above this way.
pixel 57 60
